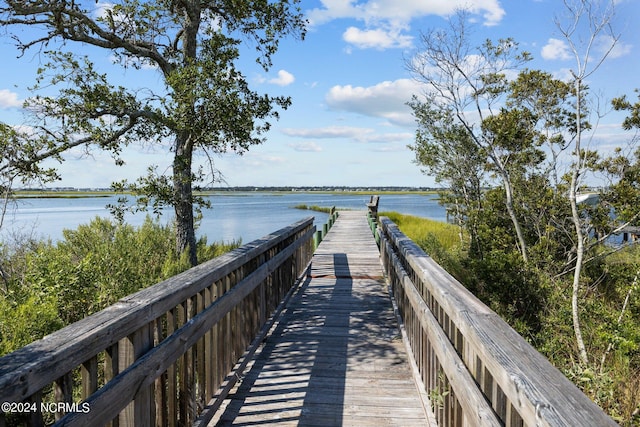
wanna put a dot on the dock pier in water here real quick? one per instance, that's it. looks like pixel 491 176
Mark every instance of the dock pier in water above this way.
pixel 280 332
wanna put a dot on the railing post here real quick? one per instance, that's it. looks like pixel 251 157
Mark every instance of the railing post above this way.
pixel 317 238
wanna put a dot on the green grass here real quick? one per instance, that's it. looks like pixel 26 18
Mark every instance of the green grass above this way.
pixel 315 208
pixel 420 229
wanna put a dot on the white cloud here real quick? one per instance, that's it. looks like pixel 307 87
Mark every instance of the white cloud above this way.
pixel 619 49
pixel 9 99
pixel 306 147
pixel 102 9
pixel 391 148
pixel 257 159
pixel 284 78
pixel 356 134
pixel 373 12
pixel 392 138
pixel 556 49
pixel 384 21
pixel 385 100
pixel 377 39
pixel 563 74
pixel 333 9
pixel 327 132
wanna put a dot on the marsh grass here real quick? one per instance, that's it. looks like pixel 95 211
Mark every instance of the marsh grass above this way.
pixel 423 229
pixel 314 208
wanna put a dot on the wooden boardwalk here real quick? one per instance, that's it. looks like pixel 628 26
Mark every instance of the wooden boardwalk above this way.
pixel 335 357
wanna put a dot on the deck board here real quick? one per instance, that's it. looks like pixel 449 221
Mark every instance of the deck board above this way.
pixel 336 356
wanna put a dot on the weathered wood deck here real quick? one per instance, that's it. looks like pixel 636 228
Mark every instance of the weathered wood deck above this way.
pixel 336 356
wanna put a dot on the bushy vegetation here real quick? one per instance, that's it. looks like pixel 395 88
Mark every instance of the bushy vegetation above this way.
pixel 517 149
pixel 49 285
pixel 538 305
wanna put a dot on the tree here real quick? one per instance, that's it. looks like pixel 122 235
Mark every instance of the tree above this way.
pixel 206 105
pixel 444 149
pixel 623 104
pixel 548 99
pixel 587 23
pixel 469 85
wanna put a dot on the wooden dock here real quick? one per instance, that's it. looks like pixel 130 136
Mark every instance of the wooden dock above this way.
pixel 336 356
pixel 170 354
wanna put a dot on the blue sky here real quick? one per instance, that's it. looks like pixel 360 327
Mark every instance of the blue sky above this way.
pixel 349 124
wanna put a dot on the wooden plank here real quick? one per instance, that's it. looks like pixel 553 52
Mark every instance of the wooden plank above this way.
pixel 144 404
pixel 63 392
pixel 161 398
pixel 209 351
pixel 335 356
pixel 172 374
pixel 89 372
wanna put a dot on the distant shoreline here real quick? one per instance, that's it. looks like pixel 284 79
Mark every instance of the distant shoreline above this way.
pixel 85 193
pixel 48 194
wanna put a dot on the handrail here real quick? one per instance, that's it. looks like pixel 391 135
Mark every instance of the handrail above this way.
pixel 477 369
pixel 160 355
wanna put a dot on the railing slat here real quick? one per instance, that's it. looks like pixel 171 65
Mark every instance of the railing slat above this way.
pixel 160 385
pixel 35 417
pixel 172 377
pixel 209 371
pixel 63 392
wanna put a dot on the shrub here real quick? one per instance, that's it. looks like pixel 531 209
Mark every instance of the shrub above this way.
pixel 93 266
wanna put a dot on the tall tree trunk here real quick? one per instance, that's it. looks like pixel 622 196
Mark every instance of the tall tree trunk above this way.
pixel 575 314
pixel 575 214
pixel 508 189
pixel 514 219
pixel 183 195
pixel 182 177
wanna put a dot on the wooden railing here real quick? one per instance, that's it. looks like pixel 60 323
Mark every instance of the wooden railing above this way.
pixel 164 355
pixel 476 369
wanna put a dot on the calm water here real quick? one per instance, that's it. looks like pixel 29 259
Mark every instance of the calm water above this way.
pixel 237 215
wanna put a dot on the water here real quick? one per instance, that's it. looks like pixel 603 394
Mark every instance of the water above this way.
pixel 233 215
